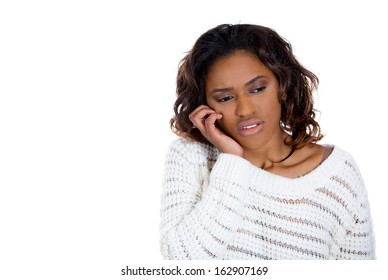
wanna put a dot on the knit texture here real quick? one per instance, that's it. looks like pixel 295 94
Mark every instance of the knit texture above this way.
pixel 220 206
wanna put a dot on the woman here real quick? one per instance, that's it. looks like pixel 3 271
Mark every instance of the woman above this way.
pixel 246 179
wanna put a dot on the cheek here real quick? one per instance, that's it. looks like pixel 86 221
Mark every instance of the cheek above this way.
pixel 226 123
pixel 212 104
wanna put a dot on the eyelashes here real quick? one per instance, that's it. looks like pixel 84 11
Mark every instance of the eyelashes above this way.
pixel 226 98
pixel 258 90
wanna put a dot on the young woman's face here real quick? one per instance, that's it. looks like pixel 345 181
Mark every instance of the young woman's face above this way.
pixel 245 92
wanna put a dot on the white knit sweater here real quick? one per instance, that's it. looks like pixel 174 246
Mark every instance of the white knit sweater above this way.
pixel 220 206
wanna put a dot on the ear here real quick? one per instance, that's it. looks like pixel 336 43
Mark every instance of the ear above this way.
pixel 283 98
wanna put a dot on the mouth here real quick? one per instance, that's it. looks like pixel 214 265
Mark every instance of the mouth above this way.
pixel 249 127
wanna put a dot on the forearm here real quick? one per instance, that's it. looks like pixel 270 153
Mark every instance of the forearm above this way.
pixel 203 229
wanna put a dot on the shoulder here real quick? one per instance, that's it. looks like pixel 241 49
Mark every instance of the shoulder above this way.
pixel 345 171
pixel 330 164
pixel 192 151
pixel 342 158
pixel 316 155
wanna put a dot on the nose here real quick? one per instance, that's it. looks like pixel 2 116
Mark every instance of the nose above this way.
pixel 245 106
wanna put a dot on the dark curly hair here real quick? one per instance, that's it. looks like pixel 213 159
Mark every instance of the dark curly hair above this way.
pixel 296 83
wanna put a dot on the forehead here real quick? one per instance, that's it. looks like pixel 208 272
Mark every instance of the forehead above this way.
pixel 240 65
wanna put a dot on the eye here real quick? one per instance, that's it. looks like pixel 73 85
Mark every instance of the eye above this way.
pixel 258 89
pixel 224 99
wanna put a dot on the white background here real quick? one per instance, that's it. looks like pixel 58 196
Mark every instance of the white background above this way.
pixel 86 94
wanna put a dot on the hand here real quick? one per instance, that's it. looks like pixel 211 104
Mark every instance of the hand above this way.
pixel 205 119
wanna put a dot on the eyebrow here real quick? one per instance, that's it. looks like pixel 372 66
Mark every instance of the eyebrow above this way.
pixel 221 90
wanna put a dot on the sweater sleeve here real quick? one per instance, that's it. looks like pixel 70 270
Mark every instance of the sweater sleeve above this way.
pixel 200 213
pixel 357 240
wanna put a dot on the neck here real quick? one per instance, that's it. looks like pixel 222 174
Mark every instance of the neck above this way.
pixel 271 154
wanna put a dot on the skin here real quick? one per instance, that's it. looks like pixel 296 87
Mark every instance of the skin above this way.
pixel 241 90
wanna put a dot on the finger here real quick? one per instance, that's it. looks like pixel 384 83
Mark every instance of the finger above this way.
pixel 210 125
pixel 200 122
pixel 200 112
pixel 198 118
pixel 200 107
pixel 195 111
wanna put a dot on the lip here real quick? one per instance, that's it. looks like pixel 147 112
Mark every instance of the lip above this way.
pixel 249 127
